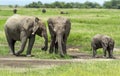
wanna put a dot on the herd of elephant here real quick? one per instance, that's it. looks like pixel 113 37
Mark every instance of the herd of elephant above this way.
pixel 22 28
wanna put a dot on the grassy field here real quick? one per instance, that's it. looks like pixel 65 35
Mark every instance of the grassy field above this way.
pixel 89 68
pixel 85 24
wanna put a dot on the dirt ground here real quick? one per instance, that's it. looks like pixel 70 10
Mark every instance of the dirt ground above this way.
pixel 24 62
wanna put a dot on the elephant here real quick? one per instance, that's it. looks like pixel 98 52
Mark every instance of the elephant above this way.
pixel 21 28
pixel 103 41
pixel 59 28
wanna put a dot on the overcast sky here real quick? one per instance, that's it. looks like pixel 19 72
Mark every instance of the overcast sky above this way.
pixel 24 2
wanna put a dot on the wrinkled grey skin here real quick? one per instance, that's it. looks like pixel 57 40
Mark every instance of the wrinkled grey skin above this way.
pixel 22 28
pixel 59 28
pixel 105 42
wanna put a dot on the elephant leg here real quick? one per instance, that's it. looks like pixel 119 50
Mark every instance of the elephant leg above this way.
pixel 110 52
pixel 52 45
pixel 56 48
pixel 94 52
pixel 64 44
pixel 104 49
pixel 64 48
pixel 11 44
pixel 23 43
pixel 105 52
pixel 45 47
pixel 30 45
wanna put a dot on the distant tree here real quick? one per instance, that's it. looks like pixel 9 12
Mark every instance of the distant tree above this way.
pixel 88 4
pixel 115 4
pixel 10 6
pixel 40 3
pixel 58 4
pixel 118 6
pixel 68 5
pixel 77 5
pixel 46 5
pixel 34 5
pixel 16 6
pixel 107 4
pixel 96 5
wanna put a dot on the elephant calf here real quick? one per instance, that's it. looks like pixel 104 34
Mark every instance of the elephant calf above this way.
pixel 22 28
pixel 59 28
pixel 103 41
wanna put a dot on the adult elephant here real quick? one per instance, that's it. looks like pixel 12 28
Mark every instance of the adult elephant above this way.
pixel 59 28
pixel 21 28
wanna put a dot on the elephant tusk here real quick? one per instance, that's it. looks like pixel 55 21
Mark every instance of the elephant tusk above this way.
pixel 33 33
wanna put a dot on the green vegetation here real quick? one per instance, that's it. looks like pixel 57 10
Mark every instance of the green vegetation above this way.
pixel 114 4
pixel 89 68
pixel 85 24
pixel 58 4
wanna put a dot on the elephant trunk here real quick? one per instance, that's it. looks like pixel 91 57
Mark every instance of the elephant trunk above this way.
pixel 45 42
pixel 59 40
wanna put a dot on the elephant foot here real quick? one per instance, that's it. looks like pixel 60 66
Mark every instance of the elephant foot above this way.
pixel 29 55
pixel 62 55
pixel 17 54
pixel 56 51
pixel 44 48
pixel 104 56
pixel 111 57
pixel 93 56
pixel 50 51
pixel 65 52
pixel 12 53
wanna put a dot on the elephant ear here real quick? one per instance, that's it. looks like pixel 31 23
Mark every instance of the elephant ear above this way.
pixel 36 25
pixel 37 19
pixel 68 23
pixel 27 23
pixel 50 24
pixel 68 26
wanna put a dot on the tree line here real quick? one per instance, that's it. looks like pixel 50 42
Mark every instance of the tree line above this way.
pixel 58 4
pixel 113 4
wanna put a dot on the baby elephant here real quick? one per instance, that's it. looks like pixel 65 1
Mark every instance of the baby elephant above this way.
pixel 103 41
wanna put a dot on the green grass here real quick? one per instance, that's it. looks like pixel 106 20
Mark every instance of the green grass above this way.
pixel 85 24
pixel 89 68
